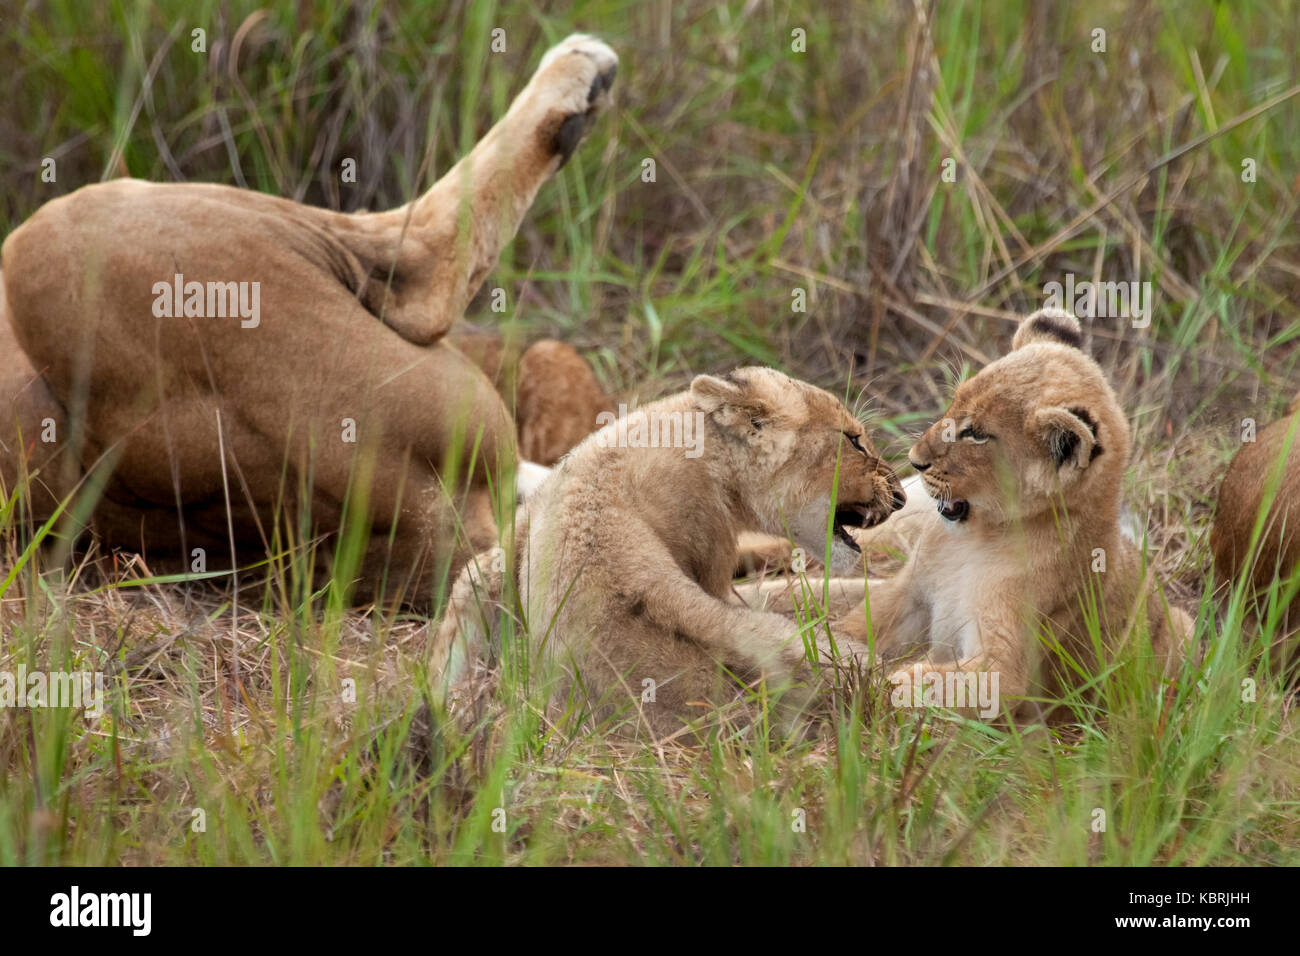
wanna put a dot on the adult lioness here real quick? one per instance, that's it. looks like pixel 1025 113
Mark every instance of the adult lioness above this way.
pixel 624 556
pixel 1026 467
pixel 550 389
pixel 1274 456
pixel 236 355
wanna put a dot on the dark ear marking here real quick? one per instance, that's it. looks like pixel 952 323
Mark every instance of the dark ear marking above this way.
pixel 1064 431
pixel 1084 416
pixel 1054 326
pixel 1063 445
pixel 1048 327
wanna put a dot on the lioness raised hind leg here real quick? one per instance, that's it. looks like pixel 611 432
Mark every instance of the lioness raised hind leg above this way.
pixel 497 181
pixel 219 420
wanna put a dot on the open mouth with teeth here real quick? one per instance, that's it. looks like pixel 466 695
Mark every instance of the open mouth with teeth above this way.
pixel 852 516
pixel 955 510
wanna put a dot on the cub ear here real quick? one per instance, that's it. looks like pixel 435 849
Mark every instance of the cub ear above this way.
pixel 728 398
pixel 1070 435
pixel 711 393
pixel 1055 326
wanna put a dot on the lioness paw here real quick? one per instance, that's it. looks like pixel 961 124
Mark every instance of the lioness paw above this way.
pixel 583 44
pixel 572 85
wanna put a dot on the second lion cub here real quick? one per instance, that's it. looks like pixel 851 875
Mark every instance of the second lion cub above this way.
pixel 1025 562
pixel 624 556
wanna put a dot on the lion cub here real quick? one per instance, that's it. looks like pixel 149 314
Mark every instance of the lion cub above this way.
pixel 1026 467
pixel 624 555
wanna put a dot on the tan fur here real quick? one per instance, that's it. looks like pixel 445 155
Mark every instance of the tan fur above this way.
pixel 625 555
pixel 757 553
pixel 558 401
pixel 553 393
pixel 355 311
pixel 1041 474
pixel 1241 500
pixel 29 413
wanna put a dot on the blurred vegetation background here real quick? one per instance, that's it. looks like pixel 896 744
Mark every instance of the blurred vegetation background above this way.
pixel 775 169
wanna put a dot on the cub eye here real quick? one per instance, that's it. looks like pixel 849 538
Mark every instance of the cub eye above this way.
pixel 974 434
pixel 855 441
pixel 758 424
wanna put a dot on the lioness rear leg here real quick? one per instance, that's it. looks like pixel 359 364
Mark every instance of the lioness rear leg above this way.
pixel 498 181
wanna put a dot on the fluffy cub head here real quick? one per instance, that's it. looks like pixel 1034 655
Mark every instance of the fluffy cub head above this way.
pixel 789 448
pixel 1037 427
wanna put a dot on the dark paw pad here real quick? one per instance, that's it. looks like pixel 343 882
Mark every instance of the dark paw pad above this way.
pixel 573 128
pixel 570 134
pixel 602 83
